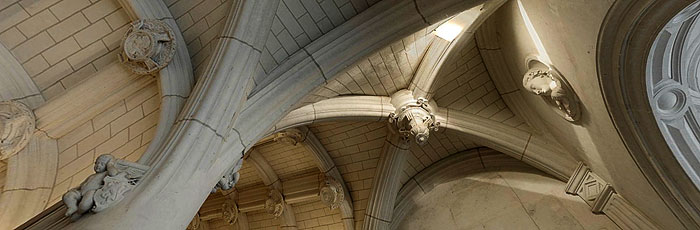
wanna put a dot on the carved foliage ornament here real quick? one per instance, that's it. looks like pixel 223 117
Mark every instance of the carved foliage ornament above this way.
pixel 148 46
pixel 289 137
pixel 17 124
pixel 274 205
pixel 113 178
pixel 230 212
pixel 415 119
pixel 545 81
pixel 332 193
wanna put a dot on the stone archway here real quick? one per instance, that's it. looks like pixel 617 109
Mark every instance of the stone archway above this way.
pixel 627 39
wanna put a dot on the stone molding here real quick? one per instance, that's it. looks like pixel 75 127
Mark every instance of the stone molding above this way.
pixel 603 199
pixel 147 46
pixel 17 125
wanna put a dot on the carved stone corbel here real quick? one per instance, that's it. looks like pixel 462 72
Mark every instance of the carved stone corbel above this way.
pixel 289 136
pixel 113 178
pixel 275 204
pixel 229 212
pixel 148 46
pixel 414 118
pixel 544 80
pixel 17 124
pixel 332 194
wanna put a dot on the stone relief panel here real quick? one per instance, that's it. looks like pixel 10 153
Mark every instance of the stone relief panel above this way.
pixel 544 80
pixel 148 46
pixel 112 180
pixel 17 124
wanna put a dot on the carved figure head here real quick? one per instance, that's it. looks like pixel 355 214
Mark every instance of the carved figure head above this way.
pixel 539 82
pixel 102 161
pixel 17 124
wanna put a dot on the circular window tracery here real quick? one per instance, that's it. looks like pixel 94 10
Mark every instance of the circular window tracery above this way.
pixel 673 76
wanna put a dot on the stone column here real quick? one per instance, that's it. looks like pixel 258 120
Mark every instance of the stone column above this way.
pixel 412 121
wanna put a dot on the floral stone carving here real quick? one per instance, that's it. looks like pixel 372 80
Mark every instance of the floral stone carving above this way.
pixel 230 212
pixel 415 119
pixel 113 178
pixel 274 205
pixel 547 82
pixel 17 124
pixel 332 193
pixel 289 136
pixel 148 46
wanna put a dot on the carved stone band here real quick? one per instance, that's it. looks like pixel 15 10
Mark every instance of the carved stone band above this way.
pixel 148 46
pixel 17 124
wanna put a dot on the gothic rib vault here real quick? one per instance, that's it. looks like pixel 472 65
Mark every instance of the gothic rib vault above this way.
pixel 341 114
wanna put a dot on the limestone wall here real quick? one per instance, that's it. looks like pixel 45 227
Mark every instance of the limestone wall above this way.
pixel 524 199
pixel 61 42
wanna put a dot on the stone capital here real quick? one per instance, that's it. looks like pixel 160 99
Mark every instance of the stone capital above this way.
pixel 289 136
pixel 275 204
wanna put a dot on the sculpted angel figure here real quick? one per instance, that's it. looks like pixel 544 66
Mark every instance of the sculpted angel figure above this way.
pixel 543 83
pixel 81 199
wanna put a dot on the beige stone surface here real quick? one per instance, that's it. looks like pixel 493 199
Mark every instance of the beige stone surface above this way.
pixel 568 37
pixel 502 200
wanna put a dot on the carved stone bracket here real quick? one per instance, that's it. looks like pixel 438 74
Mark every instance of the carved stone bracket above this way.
pixel 604 200
pixel 229 212
pixel 289 137
pixel 17 124
pixel 148 46
pixel 414 119
pixel 544 80
pixel 332 194
pixel 112 180
pixel 275 204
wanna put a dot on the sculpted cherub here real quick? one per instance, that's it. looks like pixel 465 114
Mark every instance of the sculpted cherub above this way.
pixel 544 83
pixel 81 199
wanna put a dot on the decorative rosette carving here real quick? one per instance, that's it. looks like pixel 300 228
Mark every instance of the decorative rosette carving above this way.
pixel 229 212
pixel 274 205
pixel 415 119
pixel 332 193
pixel 148 46
pixel 17 124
